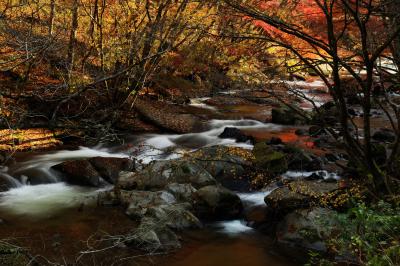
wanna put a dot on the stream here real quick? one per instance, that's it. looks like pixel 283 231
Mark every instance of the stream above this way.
pixel 48 215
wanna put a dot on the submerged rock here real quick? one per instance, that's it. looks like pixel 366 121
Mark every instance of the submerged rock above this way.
pixel 234 133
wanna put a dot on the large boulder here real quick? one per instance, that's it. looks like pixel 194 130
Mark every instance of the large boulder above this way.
pixel 159 174
pixel 216 202
pixel 307 228
pixel 80 172
pixel 268 159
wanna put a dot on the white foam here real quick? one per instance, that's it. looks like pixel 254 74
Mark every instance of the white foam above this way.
pixel 319 84
pixel 254 198
pixel 233 227
pixel 199 102
pixel 300 175
pixel 44 200
pixel 50 159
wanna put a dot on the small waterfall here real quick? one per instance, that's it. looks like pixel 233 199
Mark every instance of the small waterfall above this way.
pixel 249 200
pixel 199 102
pixel 46 199
pixel 9 180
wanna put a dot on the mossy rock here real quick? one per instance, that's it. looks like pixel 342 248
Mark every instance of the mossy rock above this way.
pixel 266 158
pixel 13 256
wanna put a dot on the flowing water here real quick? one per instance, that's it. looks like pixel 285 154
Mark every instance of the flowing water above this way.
pixel 41 206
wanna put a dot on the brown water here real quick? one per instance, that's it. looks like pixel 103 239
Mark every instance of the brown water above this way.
pixel 60 238
pixel 209 248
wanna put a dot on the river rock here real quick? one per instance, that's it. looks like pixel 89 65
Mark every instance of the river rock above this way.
pixel 139 202
pixel 286 116
pixel 258 216
pixel 298 194
pixel 283 199
pixel 267 158
pixel 384 135
pixel 7 182
pixel 226 166
pixel 234 133
pixel 307 228
pixel 95 172
pixel 301 132
pixel 299 159
pixel 182 192
pixel 159 174
pixel 168 116
pixel 327 113
pixel 80 172
pixel 151 235
pixel 109 168
pixel 216 202
pixel 176 216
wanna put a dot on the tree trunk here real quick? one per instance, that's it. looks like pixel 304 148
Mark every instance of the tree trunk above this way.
pixel 72 38
pixel 52 15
